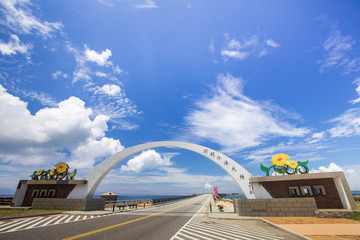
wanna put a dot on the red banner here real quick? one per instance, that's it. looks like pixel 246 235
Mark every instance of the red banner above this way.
pixel 216 191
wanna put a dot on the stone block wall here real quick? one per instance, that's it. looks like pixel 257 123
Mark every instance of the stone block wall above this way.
pixel 91 204
pixel 282 207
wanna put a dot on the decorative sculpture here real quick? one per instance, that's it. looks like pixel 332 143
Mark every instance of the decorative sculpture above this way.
pixel 58 173
pixel 282 165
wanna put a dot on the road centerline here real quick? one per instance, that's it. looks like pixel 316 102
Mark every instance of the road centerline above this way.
pixel 124 223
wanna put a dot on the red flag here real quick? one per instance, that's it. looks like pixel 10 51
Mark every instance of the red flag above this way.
pixel 216 191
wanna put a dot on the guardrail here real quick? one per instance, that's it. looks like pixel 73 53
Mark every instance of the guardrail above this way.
pixel 143 203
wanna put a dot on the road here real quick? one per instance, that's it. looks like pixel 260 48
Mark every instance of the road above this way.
pixel 183 220
pixel 152 223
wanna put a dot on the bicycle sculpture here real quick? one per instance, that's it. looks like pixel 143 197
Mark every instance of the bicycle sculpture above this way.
pixel 58 173
pixel 282 165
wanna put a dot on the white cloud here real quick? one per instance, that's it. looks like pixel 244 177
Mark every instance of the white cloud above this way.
pixel 148 159
pixel 14 46
pixel 331 168
pixel 109 89
pixel 234 54
pixel 272 43
pixel 83 70
pixel 18 16
pixel 347 124
pixel 59 73
pixel 352 173
pixel 208 186
pixel 246 47
pixel 41 139
pixel 146 5
pixel 357 82
pixel 100 74
pixel 338 49
pixel 234 121
pixel 100 59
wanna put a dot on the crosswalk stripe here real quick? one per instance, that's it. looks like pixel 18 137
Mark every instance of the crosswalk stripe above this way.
pixel 33 225
pixel 186 236
pixel 248 230
pixel 21 226
pixel 216 232
pixel 67 220
pixel 51 220
pixel 77 218
pixel 212 233
pixel 13 224
pixel 189 232
pixel 58 221
pixel 255 233
pixel 85 217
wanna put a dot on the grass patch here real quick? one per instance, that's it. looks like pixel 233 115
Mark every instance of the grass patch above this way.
pixel 5 213
pixel 356 215
pixel 358 205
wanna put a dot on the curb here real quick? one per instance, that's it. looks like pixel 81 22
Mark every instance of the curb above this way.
pixel 285 229
pixel 27 216
pixel 207 212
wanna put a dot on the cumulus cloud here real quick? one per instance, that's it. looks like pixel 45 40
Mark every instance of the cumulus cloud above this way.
pixel 109 89
pixel 65 132
pixel 331 168
pixel 351 172
pixel 246 47
pixel 149 159
pixel 84 70
pixel 100 59
pixel 14 46
pixel 234 121
pixel 18 16
pixel 208 186
pixel 347 124
pixel 146 5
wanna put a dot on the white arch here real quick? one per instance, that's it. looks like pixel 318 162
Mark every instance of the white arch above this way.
pixel 237 172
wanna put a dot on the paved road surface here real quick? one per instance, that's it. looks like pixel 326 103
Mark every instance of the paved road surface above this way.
pixel 180 220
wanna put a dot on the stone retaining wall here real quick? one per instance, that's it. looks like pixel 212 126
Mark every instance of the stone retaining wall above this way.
pixel 282 207
pixel 91 204
pixel 334 213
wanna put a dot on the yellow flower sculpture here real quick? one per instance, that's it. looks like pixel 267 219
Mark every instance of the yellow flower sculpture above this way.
pixel 280 159
pixel 52 172
pixel 293 164
pixel 61 167
pixel 40 172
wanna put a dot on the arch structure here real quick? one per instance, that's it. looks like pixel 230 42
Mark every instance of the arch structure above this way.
pixel 237 172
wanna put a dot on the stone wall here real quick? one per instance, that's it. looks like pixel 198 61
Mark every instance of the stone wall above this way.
pixel 283 207
pixel 334 213
pixel 91 204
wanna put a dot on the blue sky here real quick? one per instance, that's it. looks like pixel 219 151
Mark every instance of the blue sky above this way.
pixel 81 80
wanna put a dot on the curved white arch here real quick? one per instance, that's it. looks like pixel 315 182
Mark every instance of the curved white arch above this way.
pixel 237 172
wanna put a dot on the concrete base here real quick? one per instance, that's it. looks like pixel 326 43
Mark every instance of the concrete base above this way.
pixel 91 204
pixel 284 207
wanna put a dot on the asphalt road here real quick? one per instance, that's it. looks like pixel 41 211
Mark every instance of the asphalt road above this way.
pixel 152 224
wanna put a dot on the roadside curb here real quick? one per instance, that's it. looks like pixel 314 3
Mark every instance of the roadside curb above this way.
pixel 209 215
pixel 285 229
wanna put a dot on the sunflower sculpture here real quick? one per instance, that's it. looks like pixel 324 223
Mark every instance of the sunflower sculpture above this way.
pixel 60 172
pixel 282 165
